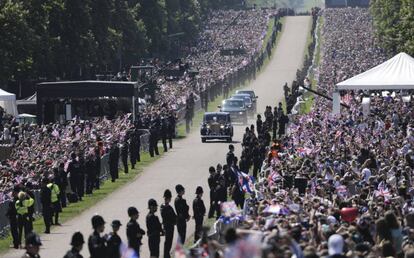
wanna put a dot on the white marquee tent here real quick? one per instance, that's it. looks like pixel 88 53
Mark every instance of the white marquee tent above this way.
pixel 394 74
pixel 8 102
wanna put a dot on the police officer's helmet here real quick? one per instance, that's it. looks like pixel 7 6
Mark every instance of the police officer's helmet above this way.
pixel 77 239
pixel 152 203
pixel 231 147
pixel 132 211
pixel 33 239
pixel 199 190
pixel 211 169
pixel 97 221
pixel 179 188
pixel 167 194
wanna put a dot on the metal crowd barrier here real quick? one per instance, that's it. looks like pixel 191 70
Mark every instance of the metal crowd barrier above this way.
pixel 104 175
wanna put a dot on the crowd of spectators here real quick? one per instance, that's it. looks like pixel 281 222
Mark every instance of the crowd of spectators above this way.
pixel 333 186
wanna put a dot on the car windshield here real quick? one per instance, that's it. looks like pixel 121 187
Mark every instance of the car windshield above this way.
pixel 243 97
pixel 251 93
pixel 208 118
pixel 233 104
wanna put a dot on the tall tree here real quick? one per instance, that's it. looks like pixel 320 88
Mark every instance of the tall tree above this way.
pixel 16 50
pixel 407 26
pixel 152 13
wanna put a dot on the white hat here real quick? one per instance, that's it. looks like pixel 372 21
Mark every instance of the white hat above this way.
pixel 335 244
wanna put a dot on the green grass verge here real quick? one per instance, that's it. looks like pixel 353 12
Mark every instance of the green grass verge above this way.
pixel 310 96
pixel 90 200
pixel 208 222
pixel 212 106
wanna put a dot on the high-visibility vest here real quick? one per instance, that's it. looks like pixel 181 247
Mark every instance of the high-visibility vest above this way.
pixel 22 207
pixel 54 188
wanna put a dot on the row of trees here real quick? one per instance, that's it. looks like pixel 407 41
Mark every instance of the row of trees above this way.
pixel 394 24
pixel 75 39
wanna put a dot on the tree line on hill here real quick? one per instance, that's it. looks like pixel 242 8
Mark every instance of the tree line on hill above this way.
pixel 75 39
pixel 394 24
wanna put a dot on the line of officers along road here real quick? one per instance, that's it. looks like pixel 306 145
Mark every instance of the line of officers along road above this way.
pixel 111 246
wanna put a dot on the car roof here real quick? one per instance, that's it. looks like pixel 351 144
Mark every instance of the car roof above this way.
pixel 252 91
pixel 216 113
pixel 233 100
pixel 242 95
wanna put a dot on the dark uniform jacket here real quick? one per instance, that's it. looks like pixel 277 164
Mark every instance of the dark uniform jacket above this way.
pixel 133 229
pixel 182 209
pixel 199 210
pixel 97 246
pixel 114 243
pixel 27 255
pixel 154 227
pixel 169 218
pixel 73 253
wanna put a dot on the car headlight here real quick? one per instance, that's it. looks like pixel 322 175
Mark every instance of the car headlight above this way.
pixel 208 126
pixel 241 113
pixel 222 126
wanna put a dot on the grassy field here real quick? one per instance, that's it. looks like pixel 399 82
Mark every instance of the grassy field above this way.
pixel 75 209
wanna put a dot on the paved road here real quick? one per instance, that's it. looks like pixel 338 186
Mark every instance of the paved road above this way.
pixel 188 162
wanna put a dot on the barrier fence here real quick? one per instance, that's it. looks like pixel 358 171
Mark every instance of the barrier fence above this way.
pixel 104 175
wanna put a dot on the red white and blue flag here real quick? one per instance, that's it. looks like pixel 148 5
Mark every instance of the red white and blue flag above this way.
pixel 246 182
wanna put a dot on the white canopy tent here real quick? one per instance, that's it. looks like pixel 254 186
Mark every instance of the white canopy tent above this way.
pixel 394 74
pixel 8 102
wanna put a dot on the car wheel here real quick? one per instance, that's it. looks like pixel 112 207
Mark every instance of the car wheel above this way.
pixel 229 139
pixel 203 140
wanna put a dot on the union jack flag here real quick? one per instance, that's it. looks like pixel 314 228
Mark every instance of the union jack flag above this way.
pixel 246 182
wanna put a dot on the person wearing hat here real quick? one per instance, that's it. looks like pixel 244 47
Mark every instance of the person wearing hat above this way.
pixel 114 160
pixel 230 157
pixel 169 219
pixel 154 229
pixel 114 241
pixel 11 214
pixel 133 230
pixel 22 206
pixel 55 198
pixel 33 244
pixel 77 245
pixel 199 211
pixel 181 208
pixel 46 201
pixel 97 244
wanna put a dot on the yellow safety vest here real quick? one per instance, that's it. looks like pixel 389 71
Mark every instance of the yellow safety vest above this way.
pixel 22 208
pixel 55 191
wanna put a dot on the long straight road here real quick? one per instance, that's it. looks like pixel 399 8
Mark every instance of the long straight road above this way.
pixel 188 162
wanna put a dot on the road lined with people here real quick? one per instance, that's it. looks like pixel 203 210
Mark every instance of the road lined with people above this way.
pixel 186 164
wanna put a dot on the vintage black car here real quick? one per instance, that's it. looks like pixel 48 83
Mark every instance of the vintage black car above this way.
pixel 216 125
pixel 247 101
pixel 236 108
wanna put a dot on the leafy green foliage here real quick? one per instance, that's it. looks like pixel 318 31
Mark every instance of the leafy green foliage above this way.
pixel 394 23
pixel 76 39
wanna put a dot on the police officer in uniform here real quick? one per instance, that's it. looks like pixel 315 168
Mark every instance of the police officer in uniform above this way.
pixel 171 128
pixel 199 211
pixel 212 184
pixel 77 246
pixel 154 229
pixel 164 132
pixel 114 161
pixel 96 243
pixel 23 204
pixel 230 157
pixel 181 208
pixel 153 139
pixel 124 155
pixel 169 219
pixel 33 244
pixel 133 230
pixel 134 148
pixel 11 214
pixel 55 198
pixel 114 241
pixel 74 171
pixel 46 201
